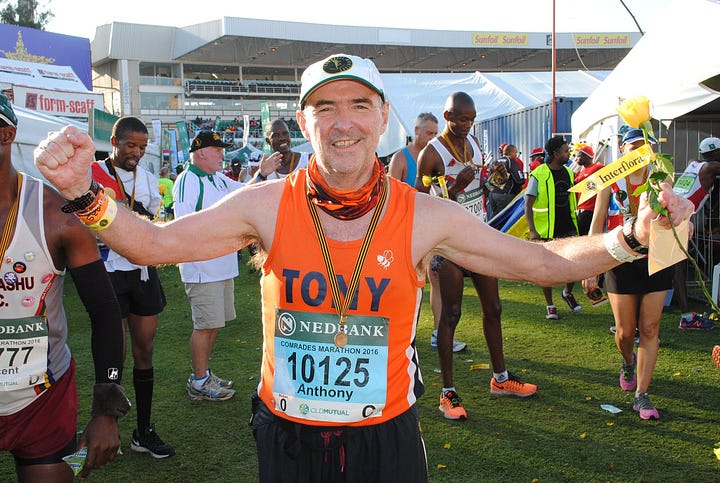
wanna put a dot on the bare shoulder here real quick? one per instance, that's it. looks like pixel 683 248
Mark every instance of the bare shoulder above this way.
pixel 399 156
pixel 428 153
pixel 398 165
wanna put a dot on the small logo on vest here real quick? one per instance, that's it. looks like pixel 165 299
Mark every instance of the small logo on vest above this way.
pixel 385 259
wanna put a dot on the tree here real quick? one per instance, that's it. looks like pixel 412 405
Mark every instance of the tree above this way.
pixel 25 13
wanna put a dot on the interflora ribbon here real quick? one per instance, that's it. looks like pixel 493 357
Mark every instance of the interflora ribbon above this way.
pixel 613 172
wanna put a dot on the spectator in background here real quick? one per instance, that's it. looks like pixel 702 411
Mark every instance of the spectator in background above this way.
pixel 636 298
pixel 455 155
pixel 403 164
pixel 501 150
pixel 235 169
pixel 537 157
pixel 165 186
pixel 696 183
pixel 550 210
pixel 209 284
pixel 137 287
pixel 248 172
pixel 585 158
pixel 510 151
pixel 283 159
pixel 505 180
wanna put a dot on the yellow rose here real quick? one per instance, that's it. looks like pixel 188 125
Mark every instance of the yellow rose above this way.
pixel 635 111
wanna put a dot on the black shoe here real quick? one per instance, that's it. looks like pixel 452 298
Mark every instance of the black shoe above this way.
pixel 150 442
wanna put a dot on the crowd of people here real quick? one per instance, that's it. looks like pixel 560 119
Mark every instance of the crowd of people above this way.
pixel 340 242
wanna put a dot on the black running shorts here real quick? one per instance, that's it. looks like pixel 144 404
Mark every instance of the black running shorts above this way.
pixel 633 278
pixel 389 452
pixel 136 296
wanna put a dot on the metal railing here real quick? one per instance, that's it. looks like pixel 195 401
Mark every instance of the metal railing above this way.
pixel 245 88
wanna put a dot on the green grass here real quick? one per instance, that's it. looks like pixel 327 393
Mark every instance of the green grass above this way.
pixel 559 435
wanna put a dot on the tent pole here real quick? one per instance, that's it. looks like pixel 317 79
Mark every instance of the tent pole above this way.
pixel 554 67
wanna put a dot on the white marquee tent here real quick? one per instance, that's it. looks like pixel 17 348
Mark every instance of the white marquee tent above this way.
pixel 669 65
pixel 495 94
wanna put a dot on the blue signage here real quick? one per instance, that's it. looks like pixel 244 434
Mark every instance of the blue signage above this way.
pixel 31 45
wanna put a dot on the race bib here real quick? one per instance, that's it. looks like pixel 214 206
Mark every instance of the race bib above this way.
pixel 318 381
pixel 684 183
pixel 23 352
pixel 472 201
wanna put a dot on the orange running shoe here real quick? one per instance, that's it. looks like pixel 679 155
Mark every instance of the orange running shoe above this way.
pixel 451 407
pixel 716 356
pixel 512 387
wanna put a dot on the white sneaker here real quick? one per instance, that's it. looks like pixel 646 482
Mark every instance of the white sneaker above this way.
pixel 209 391
pixel 457 345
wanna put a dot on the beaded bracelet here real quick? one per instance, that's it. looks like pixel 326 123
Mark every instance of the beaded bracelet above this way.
pixel 82 202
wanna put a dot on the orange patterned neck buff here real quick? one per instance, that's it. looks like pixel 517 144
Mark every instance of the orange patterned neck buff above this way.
pixel 344 204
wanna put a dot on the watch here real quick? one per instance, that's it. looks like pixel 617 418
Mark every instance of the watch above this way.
pixel 82 202
pixel 629 236
pixel 260 176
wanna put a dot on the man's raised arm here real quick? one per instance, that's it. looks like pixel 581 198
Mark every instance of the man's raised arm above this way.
pixel 64 158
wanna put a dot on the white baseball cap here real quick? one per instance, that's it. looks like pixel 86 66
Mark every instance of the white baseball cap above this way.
pixel 709 144
pixel 337 67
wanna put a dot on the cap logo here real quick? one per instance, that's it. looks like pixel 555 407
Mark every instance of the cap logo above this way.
pixel 335 65
pixel 712 147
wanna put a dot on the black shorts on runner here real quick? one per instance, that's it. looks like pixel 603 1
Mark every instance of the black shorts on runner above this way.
pixel 437 261
pixel 390 452
pixel 138 297
pixel 632 278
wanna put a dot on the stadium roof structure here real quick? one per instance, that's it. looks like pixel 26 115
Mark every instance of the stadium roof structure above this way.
pixel 270 43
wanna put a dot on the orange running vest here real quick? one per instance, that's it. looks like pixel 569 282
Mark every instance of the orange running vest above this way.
pixel 305 378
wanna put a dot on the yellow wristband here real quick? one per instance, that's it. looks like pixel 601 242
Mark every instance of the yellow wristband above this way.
pixel 426 181
pixel 107 218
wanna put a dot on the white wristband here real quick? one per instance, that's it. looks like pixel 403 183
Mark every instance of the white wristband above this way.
pixel 615 248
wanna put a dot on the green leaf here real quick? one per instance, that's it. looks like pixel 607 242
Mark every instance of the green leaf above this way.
pixel 646 126
pixel 666 163
pixel 655 204
pixel 641 189
pixel 658 177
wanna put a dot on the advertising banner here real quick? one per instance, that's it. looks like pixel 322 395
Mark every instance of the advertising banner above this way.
pixel 157 129
pixel 41 47
pixel 264 122
pixel 100 125
pixel 246 129
pixel 184 141
pixel 58 103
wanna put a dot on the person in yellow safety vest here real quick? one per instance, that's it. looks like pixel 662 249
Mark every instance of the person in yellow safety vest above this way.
pixel 550 209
